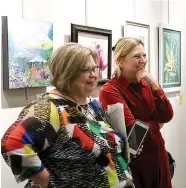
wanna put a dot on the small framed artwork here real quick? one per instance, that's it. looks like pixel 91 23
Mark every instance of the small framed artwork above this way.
pixel 26 49
pixel 139 31
pixel 99 40
pixel 169 58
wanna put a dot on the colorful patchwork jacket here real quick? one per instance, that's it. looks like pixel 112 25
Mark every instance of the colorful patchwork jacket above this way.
pixel 77 149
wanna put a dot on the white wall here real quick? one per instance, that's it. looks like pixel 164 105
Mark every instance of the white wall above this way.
pixel 175 135
pixel 108 14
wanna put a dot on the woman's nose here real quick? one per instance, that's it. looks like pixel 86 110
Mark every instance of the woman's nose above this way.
pixel 143 60
pixel 94 74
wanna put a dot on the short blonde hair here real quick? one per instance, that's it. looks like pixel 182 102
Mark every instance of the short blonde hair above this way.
pixel 122 48
pixel 65 63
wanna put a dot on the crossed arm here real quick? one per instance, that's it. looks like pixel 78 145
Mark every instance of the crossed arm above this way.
pixel 163 109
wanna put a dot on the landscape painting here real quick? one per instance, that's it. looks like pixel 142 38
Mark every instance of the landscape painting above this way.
pixel 27 47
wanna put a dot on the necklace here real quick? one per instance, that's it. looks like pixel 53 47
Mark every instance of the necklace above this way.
pixel 88 111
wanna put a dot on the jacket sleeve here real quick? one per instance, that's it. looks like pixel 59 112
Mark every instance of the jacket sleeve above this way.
pixel 108 97
pixel 27 137
pixel 163 109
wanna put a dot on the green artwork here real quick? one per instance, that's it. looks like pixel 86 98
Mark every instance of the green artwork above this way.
pixel 171 75
pixel 27 48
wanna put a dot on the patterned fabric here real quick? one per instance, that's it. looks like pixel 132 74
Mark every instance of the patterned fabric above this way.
pixel 77 150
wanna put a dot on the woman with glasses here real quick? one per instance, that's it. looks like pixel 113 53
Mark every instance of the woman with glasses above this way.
pixel 143 99
pixel 64 139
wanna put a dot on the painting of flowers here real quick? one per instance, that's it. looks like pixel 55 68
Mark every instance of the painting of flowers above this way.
pixel 100 46
pixel 100 41
pixel 171 59
pixel 171 42
pixel 29 46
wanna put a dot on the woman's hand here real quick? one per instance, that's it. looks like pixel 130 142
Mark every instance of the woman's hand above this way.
pixel 148 78
pixel 40 180
pixel 139 152
pixel 161 125
pixel 37 185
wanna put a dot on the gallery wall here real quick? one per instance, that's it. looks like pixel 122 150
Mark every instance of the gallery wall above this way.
pixel 107 14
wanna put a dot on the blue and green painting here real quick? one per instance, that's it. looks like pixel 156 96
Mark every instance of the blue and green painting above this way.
pixel 171 58
pixel 30 44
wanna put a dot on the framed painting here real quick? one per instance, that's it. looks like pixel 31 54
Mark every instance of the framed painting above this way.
pixel 26 49
pixel 169 58
pixel 139 31
pixel 99 40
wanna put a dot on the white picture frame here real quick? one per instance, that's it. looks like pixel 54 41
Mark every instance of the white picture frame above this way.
pixel 169 58
pixel 142 32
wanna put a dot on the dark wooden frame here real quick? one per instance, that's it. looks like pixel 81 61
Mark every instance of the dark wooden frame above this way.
pixel 5 52
pixel 75 29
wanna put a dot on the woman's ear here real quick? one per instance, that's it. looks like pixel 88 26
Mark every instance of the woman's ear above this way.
pixel 119 60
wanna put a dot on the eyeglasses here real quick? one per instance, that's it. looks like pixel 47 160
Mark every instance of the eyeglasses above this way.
pixel 89 71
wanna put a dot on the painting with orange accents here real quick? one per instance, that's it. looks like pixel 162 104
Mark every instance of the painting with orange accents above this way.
pixel 27 46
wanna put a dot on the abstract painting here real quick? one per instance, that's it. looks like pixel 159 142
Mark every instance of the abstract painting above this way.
pixel 141 32
pixel 27 46
pixel 170 58
pixel 99 40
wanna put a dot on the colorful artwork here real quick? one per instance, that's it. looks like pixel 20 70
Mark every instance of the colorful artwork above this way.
pixel 100 41
pixel 170 59
pixel 99 44
pixel 30 45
